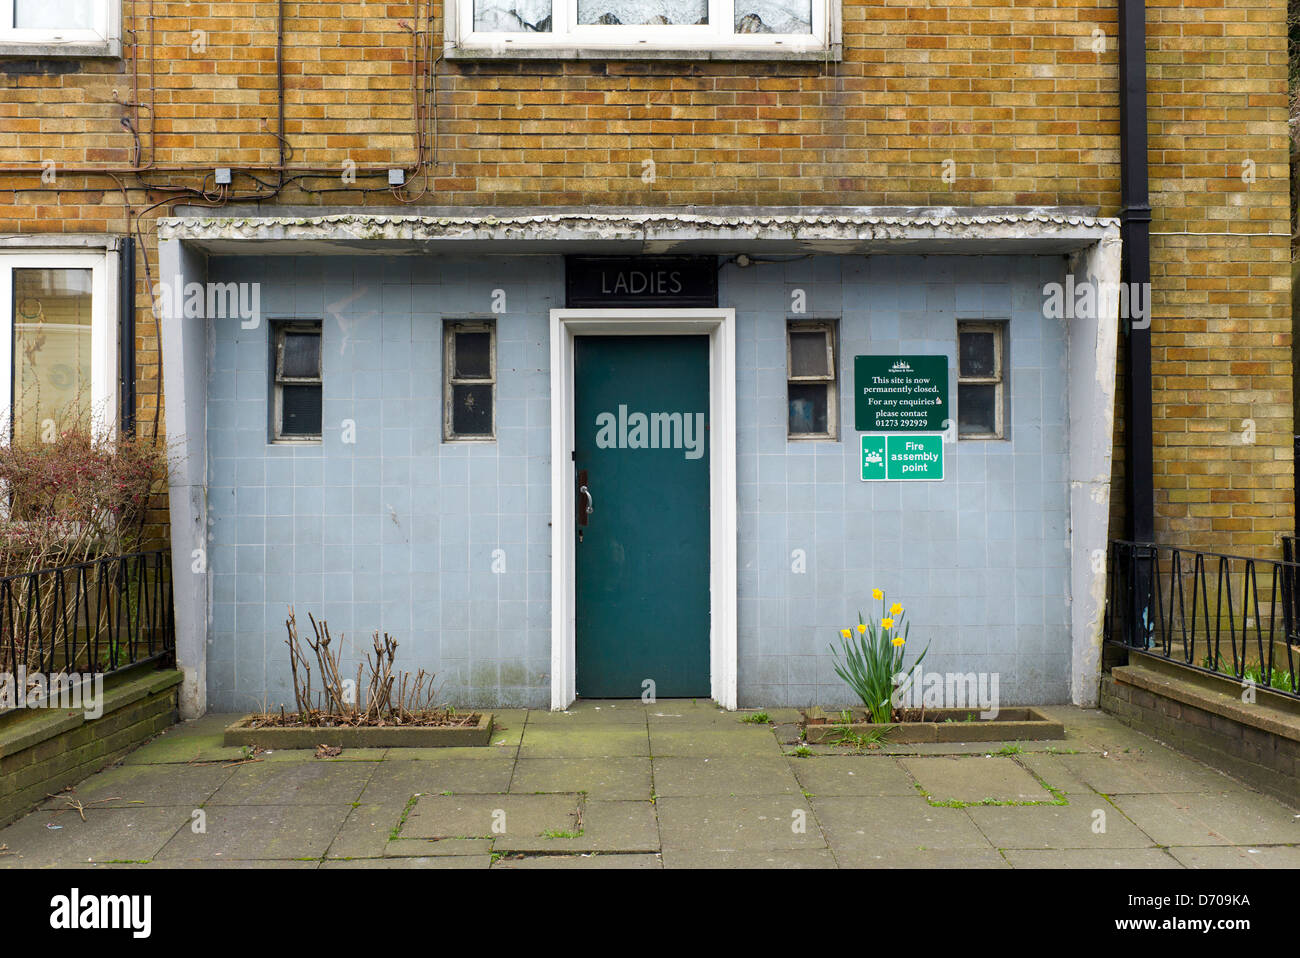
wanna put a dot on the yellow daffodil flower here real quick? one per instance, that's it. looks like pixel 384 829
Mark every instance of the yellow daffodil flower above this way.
pixel 898 641
pixel 886 623
pixel 877 594
pixel 844 632
pixel 895 609
pixel 862 627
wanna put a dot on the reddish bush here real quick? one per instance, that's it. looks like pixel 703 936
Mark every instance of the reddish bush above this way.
pixel 73 499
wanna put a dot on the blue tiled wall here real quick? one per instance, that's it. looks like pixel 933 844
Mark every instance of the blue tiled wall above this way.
pixel 398 530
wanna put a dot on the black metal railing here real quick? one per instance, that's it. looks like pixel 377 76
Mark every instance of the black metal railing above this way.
pixel 99 616
pixel 1221 614
pixel 1290 558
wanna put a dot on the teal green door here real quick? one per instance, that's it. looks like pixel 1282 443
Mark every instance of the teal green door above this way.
pixel 641 421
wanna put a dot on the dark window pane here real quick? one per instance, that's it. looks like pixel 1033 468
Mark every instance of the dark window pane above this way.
pixel 473 356
pixel 300 408
pixel 976 354
pixel 976 410
pixel 808 354
pixel 301 356
pixel 471 413
pixel 808 409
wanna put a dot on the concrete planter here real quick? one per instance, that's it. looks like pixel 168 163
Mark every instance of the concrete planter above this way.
pixel 940 725
pixel 362 736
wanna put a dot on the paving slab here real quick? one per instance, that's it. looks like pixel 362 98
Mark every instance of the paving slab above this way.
pixel 1227 817
pixel 1107 736
pixel 189 746
pixel 124 786
pixel 309 755
pixel 1238 856
pixel 778 716
pixel 605 826
pixel 299 783
pixel 491 752
pixel 509 817
pixel 931 859
pixel 1058 826
pixel 1154 858
pixel 725 824
pixel 46 838
pixel 685 708
pixel 398 780
pixel 739 740
pixel 1051 769
pixel 366 831
pixel 511 719
pixel 1152 771
pixel 869 826
pixel 588 740
pixel 975 779
pixel 907 749
pixel 852 775
pixel 590 860
pixel 623 714
pixel 788 733
pixel 610 779
pixel 507 729
pixel 1091 858
pixel 220 863
pixel 745 859
pixel 669 716
pixel 723 775
pixel 435 847
pixel 249 832
pixel 447 861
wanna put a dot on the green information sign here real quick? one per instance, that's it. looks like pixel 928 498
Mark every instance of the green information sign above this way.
pixel 900 393
pixel 901 456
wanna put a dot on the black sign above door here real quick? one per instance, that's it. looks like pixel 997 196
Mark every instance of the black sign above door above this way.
pixel 641 281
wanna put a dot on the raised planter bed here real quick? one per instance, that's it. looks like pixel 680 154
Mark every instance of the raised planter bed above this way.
pixel 935 725
pixel 249 731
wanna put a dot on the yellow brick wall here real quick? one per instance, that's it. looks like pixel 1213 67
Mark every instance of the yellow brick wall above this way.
pixel 1012 93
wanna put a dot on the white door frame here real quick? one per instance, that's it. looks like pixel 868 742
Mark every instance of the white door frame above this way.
pixel 720 326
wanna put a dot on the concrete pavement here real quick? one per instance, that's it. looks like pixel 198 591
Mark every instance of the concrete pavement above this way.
pixel 676 784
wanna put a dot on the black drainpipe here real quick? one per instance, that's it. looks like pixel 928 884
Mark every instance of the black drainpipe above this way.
pixel 1135 233
pixel 1135 271
pixel 126 333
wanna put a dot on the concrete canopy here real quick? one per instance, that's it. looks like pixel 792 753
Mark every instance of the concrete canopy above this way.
pixel 777 230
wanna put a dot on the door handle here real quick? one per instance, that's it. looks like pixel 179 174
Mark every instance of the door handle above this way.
pixel 582 508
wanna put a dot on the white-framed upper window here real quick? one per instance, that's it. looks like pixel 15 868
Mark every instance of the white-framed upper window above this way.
pixel 58 345
pixel 56 23
pixel 650 27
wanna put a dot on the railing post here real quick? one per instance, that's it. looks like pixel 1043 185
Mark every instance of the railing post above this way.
pixel 1139 591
